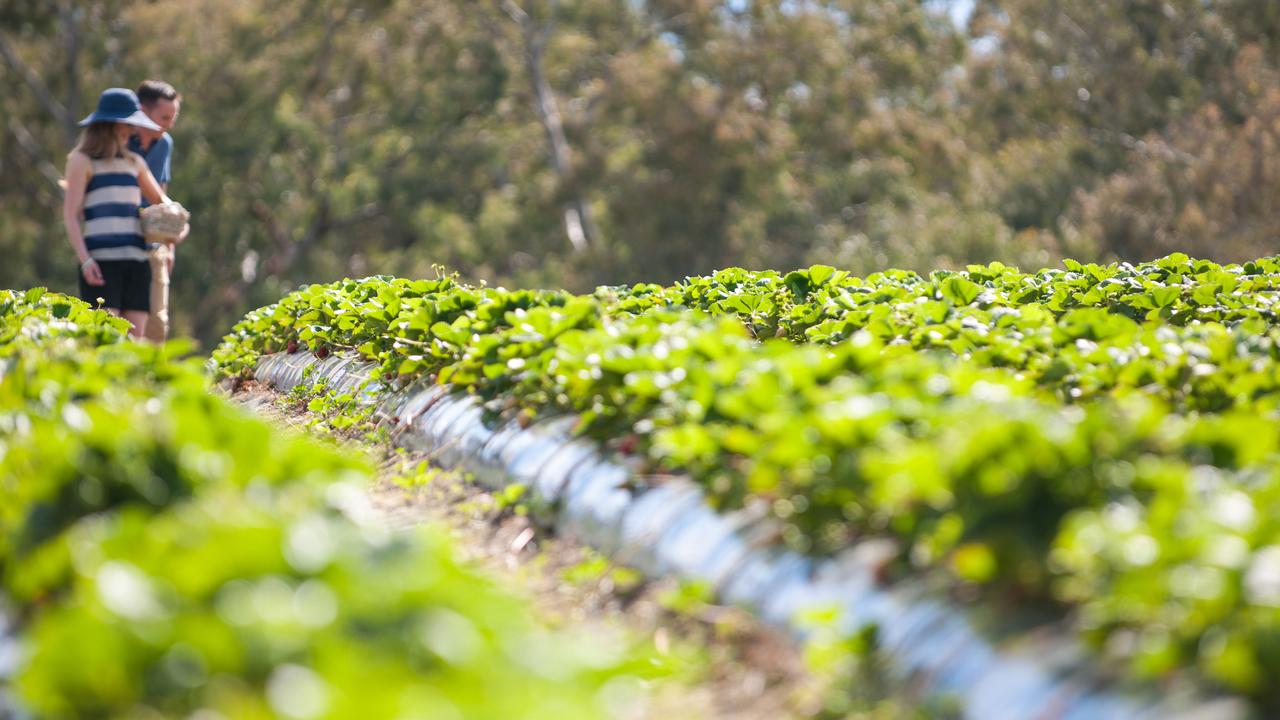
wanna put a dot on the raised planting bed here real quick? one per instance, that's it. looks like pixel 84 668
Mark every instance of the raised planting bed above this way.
pixel 164 553
pixel 992 668
pixel 1031 445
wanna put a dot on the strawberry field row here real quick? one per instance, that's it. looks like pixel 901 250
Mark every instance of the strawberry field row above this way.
pixel 162 553
pixel 1101 439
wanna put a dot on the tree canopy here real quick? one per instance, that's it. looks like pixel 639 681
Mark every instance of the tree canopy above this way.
pixel 578 142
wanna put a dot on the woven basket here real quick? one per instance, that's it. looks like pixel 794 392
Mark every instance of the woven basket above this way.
pixel 164 223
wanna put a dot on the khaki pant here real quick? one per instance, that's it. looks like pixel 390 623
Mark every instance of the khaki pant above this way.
pixel 158 322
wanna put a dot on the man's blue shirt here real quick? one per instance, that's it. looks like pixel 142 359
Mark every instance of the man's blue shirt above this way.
pixel 159 156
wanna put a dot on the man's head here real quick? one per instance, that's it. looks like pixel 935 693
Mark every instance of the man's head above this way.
pixel 160 102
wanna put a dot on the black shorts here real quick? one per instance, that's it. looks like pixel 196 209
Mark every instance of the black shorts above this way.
pixel 128 286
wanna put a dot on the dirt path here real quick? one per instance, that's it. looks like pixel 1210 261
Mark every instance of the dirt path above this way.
pixel 751 672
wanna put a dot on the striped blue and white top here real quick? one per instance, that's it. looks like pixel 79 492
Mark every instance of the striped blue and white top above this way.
pixel 112 230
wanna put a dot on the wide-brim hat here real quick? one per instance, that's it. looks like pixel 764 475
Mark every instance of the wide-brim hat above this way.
pixel 120 105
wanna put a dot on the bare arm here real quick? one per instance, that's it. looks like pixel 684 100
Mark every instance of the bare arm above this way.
pixel 151 190
pixel 78 170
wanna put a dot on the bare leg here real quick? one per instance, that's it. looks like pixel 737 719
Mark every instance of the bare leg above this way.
pixel 158 324
pixel 138 318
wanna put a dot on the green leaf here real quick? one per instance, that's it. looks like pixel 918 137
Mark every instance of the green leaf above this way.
pixel 959 290
pixel 974 562
pixel 799 283
pixel 1164 296
pixel 820 274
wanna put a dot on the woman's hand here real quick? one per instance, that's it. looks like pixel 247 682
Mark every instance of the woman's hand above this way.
pixel 92 273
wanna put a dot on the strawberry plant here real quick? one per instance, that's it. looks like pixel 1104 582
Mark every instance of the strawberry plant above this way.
pixel 1092 438
pixel 164 553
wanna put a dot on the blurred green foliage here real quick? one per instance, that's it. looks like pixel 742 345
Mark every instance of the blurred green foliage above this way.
pixel 163 553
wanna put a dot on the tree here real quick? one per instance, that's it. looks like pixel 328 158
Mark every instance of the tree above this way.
pixel 1209 187
pixel 576 142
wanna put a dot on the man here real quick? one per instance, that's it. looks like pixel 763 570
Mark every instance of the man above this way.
pixel 161 103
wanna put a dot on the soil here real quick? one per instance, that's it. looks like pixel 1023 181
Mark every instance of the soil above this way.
pixel 749 671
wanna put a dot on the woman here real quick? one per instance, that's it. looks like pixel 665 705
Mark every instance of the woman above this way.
pixel 105 186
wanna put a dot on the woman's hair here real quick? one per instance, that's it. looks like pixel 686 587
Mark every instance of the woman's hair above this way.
pixel 98 141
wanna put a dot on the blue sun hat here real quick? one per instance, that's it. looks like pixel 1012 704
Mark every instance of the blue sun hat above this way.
pixel 120 105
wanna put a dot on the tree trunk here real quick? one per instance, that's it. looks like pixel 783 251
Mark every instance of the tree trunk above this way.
pixel 32 148
pixel 51 105
pixel 577 215
pixel 71 28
